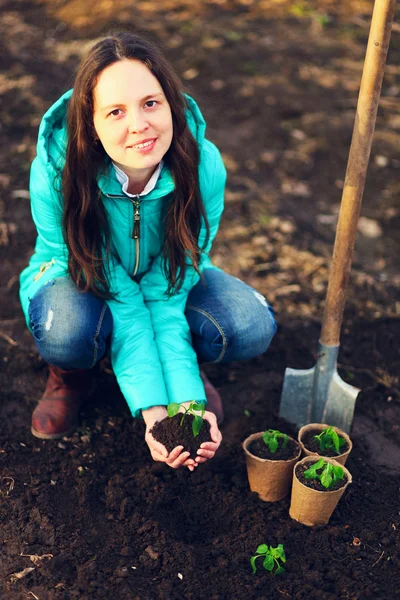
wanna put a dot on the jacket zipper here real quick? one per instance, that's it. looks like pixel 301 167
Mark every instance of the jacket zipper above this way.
pixel 136 225
pixel 136 231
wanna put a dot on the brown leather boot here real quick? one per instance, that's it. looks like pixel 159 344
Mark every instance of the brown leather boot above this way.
pixel 57 411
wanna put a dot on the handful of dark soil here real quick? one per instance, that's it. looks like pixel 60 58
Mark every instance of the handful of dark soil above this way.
pixel 171 433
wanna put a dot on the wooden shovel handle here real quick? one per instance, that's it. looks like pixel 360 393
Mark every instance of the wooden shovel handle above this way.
pixel 368 100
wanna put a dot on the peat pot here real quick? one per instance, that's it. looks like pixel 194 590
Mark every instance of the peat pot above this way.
pixel 271 479
pixel 317 428
pixel 312 507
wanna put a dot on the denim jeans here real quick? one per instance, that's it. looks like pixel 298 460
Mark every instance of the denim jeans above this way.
pixel 228 319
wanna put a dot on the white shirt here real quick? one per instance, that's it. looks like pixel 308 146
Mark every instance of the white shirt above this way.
pixel 150 185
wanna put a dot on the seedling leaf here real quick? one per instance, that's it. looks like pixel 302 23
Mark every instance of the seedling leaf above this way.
pixel 271 439
pixel 253 563
pixel 272 558
pixel 268 562
pixel 330 473
pixel 338 473
pixel 326 479
pixel 329 439
pixel 173 409
pixel 197 425
pixel 274 552
pixel 273 445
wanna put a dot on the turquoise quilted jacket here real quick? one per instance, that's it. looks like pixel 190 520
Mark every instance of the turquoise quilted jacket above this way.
pixel 151 350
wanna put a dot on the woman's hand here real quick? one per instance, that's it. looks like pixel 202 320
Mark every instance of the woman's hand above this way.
pixel 207 449
pixel 176 458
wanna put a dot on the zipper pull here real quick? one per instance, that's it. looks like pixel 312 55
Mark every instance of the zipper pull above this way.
pixel 136 221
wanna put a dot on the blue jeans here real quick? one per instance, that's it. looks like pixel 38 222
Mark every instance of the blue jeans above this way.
pixel 228 320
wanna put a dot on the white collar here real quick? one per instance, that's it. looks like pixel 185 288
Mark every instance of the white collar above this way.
pixel 150 185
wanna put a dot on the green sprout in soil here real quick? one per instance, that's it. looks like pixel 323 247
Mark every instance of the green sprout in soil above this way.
pixel 271 439
pixel 273 557
pixel 198 420
pixel 328 439
pixel 329 474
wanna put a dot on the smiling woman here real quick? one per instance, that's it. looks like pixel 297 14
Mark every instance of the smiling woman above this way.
pixel 134 124
pixel 127 196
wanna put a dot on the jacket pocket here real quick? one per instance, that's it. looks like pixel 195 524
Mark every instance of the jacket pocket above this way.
pixel 43 268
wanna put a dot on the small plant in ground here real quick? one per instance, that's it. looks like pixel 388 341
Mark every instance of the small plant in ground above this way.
pixel 328 475
pixel 328 439
pixel 273 557
pixel 198 420
pixel 271 439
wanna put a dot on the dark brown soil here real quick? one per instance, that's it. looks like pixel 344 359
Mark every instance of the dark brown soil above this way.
pixel 312 445
pixel 314 483
pixel 260 449
pixel 278 84
pixel 171 433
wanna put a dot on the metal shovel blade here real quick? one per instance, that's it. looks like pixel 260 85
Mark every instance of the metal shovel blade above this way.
pixel 318 395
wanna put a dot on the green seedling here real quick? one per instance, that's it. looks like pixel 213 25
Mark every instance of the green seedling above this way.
pixel 328 439
pixel 271 439
pixel 198 420
pixel 273 557
pixel 328 475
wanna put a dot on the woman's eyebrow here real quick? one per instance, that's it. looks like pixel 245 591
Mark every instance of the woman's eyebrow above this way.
pixel 148 97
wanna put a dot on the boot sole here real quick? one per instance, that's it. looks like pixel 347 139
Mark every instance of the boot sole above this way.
pixel 51 436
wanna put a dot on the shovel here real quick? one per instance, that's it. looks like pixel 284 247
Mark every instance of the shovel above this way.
pixel 319 395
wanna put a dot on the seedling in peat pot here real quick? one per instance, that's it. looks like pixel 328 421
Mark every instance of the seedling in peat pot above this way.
pixel 329 474
pixel 271 439
pixel 198 421
pixel 273 557
pixel 328 439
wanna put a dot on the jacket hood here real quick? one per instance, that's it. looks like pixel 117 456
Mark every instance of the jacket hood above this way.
pixel 53 137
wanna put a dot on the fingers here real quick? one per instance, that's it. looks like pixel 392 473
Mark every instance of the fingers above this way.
pixel 205 453
pixel 207 450
pixel 155 446
pixel 215 433
pixel 178 458
pixel 175 459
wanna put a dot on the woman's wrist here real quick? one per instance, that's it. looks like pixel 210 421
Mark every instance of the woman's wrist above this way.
pixel 154 413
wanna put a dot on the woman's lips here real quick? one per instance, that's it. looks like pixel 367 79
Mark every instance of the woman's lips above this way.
pixel 145 147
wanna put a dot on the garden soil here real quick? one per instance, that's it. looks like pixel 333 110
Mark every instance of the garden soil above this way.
pixel 91 515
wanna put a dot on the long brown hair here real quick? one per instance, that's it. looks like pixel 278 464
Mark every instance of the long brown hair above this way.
pixel 85 227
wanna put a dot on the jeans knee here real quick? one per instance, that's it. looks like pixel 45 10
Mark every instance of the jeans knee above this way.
pixel 250 337
pixel 67 349
pixel 209 339
pixel 69 327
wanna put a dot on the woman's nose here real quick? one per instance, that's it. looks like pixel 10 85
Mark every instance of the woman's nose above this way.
pixel 137 122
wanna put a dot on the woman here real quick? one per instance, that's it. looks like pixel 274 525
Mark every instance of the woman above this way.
pixel 126 196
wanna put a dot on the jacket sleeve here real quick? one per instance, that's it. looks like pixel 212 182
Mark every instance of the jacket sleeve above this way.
pixel 134 354
pixel 172 333
pixel 46 209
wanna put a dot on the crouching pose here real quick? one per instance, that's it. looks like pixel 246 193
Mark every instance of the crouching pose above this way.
pixel 127 196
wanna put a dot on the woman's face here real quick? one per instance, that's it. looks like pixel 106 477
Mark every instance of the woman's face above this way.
pixel 132 117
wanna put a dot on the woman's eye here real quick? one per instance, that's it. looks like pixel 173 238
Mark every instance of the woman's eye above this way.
pixel 151 103
pixel 115 112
